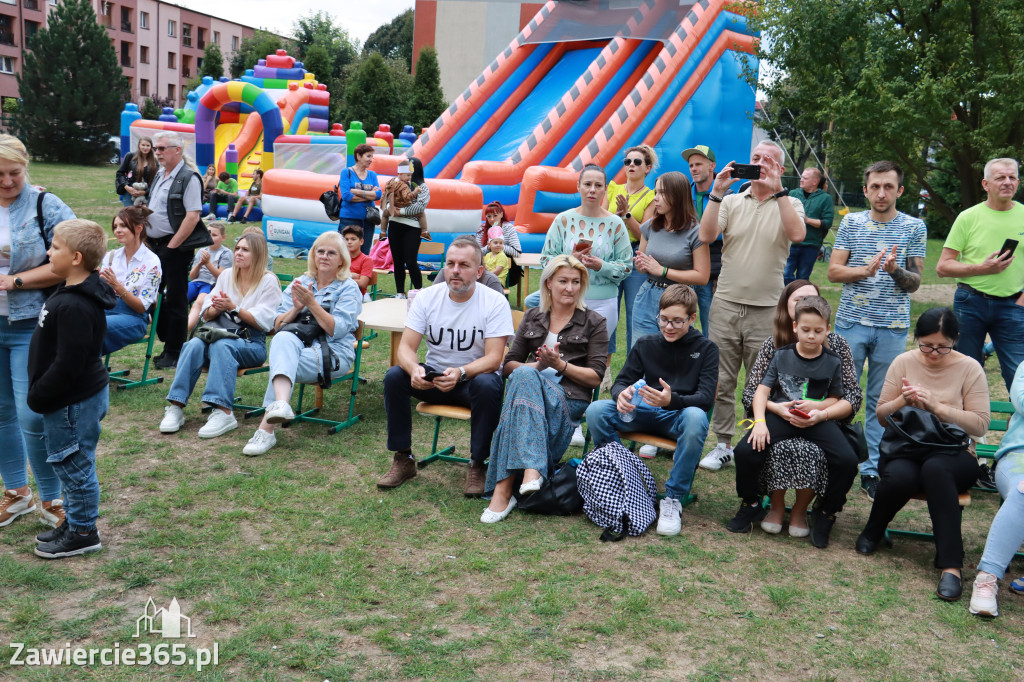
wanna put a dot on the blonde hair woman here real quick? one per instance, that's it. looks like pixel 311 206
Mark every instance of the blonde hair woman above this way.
pixel 328 296
pixel 24 273
pixel 244 301
pixel 557 359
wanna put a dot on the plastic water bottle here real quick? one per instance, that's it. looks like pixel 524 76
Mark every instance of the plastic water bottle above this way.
pixel 636 400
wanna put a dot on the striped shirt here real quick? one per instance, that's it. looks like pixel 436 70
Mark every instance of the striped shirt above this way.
pixel 877 301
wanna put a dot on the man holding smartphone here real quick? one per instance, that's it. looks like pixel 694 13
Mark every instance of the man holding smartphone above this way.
pixel 979 253
pixel 757 227
pixel 878 257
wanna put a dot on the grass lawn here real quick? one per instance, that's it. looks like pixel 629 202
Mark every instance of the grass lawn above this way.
pixel 299 568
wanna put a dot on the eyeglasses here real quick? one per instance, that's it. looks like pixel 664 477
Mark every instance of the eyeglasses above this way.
pixel 326 252
pixel 160 149
pixel 674 324
pixel 632 162
pixel 941 350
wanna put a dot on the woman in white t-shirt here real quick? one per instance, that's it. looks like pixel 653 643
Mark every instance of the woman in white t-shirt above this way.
pixel 133 272
pixel 244 302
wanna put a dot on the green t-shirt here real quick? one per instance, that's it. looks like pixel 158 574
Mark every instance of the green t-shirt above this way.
pixel 979 232
pixel 819 206
pixel 231 186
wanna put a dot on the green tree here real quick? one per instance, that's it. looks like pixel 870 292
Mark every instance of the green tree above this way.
pixel 213 62
pixel 70 122
pixel 150 110
pixel 428 100
pixel 318 62
pixel 319 29
pixel 252 49
pixel 911 82
pixel 373 95
pixel 394 39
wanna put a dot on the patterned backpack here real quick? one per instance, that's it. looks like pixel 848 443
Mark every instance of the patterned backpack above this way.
pixel 618 490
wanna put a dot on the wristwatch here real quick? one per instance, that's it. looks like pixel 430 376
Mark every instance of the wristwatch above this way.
pixel 19 283
pixel 781 193
pixel 627 216
pixel 462 375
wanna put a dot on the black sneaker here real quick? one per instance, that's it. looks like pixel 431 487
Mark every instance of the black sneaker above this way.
pixel 869 486
pixel 243 220
pixel 51 535
pixel 232 218
pixel 68 544
pixel 166 361
pixel 746 517
pixel 985 478
pixel 821 528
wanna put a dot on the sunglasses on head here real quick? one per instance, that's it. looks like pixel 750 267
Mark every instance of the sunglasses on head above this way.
pixel 633 162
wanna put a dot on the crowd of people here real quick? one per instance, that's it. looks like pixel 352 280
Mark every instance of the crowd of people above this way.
pixel 680 251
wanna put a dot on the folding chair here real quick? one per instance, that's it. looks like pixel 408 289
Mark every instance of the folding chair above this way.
pixel 120 377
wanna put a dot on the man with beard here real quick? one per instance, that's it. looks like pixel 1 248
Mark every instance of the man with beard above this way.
pixel 465 327
pixel 878 258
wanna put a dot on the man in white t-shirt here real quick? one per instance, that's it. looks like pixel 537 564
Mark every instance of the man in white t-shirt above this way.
pixel 466 328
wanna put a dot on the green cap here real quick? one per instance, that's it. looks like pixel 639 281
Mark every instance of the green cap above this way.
pixel 701 149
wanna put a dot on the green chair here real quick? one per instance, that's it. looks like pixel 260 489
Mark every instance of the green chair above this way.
pixel 120 377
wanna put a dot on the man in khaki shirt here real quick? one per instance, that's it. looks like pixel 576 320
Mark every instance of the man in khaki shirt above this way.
pixel 757 226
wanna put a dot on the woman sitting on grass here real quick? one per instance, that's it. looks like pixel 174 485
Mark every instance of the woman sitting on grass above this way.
pixel 546 396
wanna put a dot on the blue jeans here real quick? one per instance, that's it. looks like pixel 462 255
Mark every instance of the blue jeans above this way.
pixel 196 287
pixel 21 429
pixel 290 358
pixel 1007 531
pixel 126 199
pixel 124 326
pixel 645 310
pixel 628 289
pixel 705 292
pixel 71 437
pixel 1002 320
pixel 688 426
pixel 879 346
pixel 800 262
pixel 223 358
pixel 532 300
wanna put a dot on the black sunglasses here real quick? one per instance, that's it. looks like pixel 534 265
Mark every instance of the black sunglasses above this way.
pixel 633 162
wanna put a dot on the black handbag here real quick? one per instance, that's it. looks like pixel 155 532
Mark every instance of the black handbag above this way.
pixel 372 214
pixel 305 327
pixel 558 496
pixel 854 434
pixel 332 203
pixel 913 433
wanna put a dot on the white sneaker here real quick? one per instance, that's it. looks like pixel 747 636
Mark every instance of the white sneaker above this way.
pixel 669 522
pixel 400 296
pixel 210 218
pixel 367 298
pixel 983 597
pixel 174 419
pixel 648 451
pixel 218 424
pixel 13 505
pixel 577 438
pixel 279 412
pixel 720 457
pixel 260 443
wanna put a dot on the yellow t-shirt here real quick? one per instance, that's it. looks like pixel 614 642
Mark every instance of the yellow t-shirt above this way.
pixel 494 260
pixel 979 232
pixel 637 203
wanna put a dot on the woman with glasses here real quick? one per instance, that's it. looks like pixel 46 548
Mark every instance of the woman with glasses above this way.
pixel 953 387
pixel 328 295
pixel 634 203
pixel 557 358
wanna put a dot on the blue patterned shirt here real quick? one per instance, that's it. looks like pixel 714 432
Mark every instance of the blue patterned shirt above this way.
pixel 877 301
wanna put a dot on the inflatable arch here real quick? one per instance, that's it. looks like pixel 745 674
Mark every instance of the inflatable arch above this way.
pixel 245 93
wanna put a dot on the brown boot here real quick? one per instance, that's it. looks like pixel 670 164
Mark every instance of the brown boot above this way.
pixel 402 469
pixel 476 474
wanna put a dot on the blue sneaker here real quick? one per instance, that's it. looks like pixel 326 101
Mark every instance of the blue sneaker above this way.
pixel 1017 586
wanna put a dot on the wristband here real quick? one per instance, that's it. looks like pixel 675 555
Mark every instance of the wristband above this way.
pixel 664 272
pixel 752 423
pixel 716 199
pixel 781 193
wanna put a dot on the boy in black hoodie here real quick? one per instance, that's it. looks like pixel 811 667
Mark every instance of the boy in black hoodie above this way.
pixel 680 367
pixel 68 383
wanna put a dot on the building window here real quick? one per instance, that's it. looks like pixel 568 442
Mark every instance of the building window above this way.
pixel 144 54
pixel 6 30
pixel 186 66
pixel 172 27
pixel 144 87
pixel 126 20
pixel 31 28
pixel 234 43
pixel 6 65
pixel 53 2
pixel 9 2
pixel 170 92
pixel 216 38
pixel 171 60
pixel 31 4
pixel 143 19
pixel 186 35
pixel 201 38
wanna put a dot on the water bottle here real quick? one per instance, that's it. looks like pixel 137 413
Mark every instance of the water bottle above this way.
pixel 637 399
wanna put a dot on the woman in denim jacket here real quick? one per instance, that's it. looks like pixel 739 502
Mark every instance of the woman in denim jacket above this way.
pixel 24 273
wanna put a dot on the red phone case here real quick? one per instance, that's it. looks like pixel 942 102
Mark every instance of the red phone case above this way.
pixel 800 413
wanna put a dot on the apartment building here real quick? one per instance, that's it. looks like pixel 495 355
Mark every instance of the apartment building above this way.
pixel 159 44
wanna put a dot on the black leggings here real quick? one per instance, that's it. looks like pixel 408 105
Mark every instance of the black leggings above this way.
pixel 941 478
pixel 841 459
pixel 405 247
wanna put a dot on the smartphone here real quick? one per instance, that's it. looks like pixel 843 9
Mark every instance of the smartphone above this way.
pixel 798 412
pixel 1009 245
pixel 431 373
pixel 746 171
pixel 584 244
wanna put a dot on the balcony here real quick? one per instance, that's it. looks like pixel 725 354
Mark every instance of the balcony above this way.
pixel 186 41
pixel 126 27
pixel 186 73
pixel 201 45
pixel 31 4
pixel 7 37
pixel 126 61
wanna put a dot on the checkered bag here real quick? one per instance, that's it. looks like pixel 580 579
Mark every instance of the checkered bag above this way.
pixel 618 490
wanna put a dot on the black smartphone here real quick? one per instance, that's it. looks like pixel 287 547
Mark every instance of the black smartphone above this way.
pixel 431 372
pixel 1009 245
pixel 746 171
